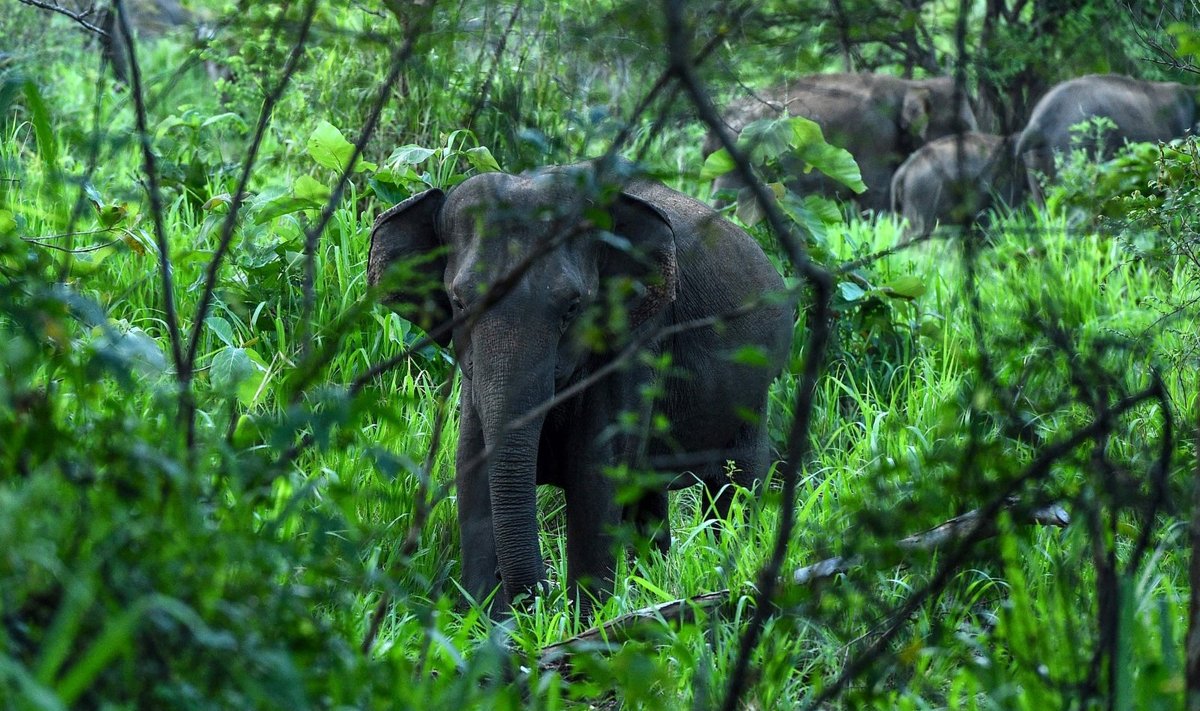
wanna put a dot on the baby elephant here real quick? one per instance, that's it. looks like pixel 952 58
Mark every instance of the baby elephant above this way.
pixel 955 179
pixel 552 277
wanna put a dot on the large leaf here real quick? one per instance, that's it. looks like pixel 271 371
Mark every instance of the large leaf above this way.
pixel 905 287
pixel 237 372
pixel 329 148
pixel 307 188
pixel 813 212
pixel 46 142
pixel 481 159
pixel 767 139
pixel 411 154
pixel 718 163
pixel 809 145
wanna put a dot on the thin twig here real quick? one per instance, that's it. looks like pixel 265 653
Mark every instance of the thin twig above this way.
pixel 313 234
pixel 156 211
pixel 79 18
pixel 617 630
pixel 230 223
pixel 821 282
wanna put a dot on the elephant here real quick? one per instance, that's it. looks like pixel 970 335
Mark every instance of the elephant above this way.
pixel 879 119
pixel 586 272
pixel 955 179
pixel 1142 111
pixel 149 19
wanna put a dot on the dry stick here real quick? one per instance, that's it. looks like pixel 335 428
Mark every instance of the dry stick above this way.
pixel 621 628
pixel 1037 469
pixel 79 17
pixel 311 236
pixel 230 223
pixel 799 442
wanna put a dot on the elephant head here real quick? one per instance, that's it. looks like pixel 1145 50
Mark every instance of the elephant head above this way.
pixel 542 274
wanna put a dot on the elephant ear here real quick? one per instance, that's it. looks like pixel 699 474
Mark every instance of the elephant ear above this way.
pixel 915 113
pixel 406 252
pixel 648 258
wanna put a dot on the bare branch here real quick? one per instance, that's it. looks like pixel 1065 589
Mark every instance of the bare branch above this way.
pixel 624 627
pixel 150 168
pixel 239 194
pixel 313 234
pixel 80 18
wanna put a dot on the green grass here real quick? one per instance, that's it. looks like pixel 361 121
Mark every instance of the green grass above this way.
pixel 283 574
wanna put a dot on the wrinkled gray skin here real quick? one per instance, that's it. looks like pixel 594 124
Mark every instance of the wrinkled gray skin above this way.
pixel 1142 110
pixel 686 262
pixel 880 119
pixel 957 178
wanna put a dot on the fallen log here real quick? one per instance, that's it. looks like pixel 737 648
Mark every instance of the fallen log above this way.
pixel 620 629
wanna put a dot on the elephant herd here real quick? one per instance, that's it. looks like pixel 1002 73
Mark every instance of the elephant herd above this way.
pixel 920 151
pixel 604 323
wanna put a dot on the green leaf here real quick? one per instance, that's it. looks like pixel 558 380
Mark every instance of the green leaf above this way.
pixel 1187 39
pixel 809 145
pixel 308 188
pixel 767 139
pixel 221 328
pixel 748 209
pixel 329 148
pixel 905 287
pixel 227 116
pixel 230 368
pixel 409 155
pixel 814 213
pixel 751 356
pixel 481 159
pixel 8 223
pixel 716 164
pixel 167 124
pixel 46 142
pixel 851 291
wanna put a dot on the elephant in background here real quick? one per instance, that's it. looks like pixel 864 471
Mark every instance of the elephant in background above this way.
pixel 955 179
pixel 1141 110
pixel 605 265
pixel 149 19
pixel 879 119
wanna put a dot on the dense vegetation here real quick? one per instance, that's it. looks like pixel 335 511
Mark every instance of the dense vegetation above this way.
pixel 225 468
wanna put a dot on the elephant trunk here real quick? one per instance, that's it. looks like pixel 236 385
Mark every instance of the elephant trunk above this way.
pixel 513 372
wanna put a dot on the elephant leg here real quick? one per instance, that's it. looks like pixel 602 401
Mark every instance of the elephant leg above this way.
pixel 745 467
pixel 592 520
pixel 651 519
pixel 478 544
pixel 593 515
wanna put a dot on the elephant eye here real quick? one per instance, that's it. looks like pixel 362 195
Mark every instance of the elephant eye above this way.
pixel 571 312
pixel 458 303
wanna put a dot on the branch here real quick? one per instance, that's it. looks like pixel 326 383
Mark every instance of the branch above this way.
pixel 1192 645
pixel 799 442
pixel 230 222
pixel 79 18
pixel 623 628
pixel 313 234
pixel 156 211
